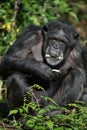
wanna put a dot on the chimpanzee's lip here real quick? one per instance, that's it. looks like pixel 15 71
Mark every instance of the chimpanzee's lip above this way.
pixel 54 60
pixel 58 57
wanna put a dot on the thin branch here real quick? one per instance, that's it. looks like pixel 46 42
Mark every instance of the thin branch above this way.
pixel 16 9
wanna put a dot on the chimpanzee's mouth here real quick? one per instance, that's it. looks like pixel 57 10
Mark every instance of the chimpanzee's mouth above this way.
pixel 54 60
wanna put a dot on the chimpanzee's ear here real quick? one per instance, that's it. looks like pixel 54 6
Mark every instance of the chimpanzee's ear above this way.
pixel 45 29
pixel 76 35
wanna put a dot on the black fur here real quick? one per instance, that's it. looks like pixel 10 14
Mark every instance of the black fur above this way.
pixel 37 56
pixel 4 109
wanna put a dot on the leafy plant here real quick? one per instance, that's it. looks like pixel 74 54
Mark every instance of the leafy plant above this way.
pixel 51 117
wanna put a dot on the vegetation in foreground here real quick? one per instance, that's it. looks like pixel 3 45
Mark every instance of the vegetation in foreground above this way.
pixel 52 117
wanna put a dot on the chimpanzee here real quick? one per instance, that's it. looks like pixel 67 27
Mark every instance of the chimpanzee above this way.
pixel 4 109
pixel 50 56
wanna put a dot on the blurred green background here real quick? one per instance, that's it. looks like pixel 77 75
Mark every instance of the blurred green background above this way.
pixel 15 15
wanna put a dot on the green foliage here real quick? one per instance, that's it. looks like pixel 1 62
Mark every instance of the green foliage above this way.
pixel 51 117
pixel 33 116
pixel 74 117
pixel 15 15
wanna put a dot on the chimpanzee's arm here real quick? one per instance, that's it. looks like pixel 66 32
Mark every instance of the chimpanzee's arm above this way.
pixel 28 66
pixel 72 87
pixel 67 89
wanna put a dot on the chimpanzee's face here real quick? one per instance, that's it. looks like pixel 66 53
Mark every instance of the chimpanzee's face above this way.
pixel 56 44
pixel 55 47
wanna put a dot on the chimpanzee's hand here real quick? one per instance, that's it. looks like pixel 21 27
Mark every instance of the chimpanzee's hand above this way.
pixel 56 73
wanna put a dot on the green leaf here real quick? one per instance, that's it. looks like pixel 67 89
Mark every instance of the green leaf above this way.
pixel 50 124
pixel 41 111
pixel 74 16
pixel 20 110
pixel 13 112
pixel 31 123
pixel 40 128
